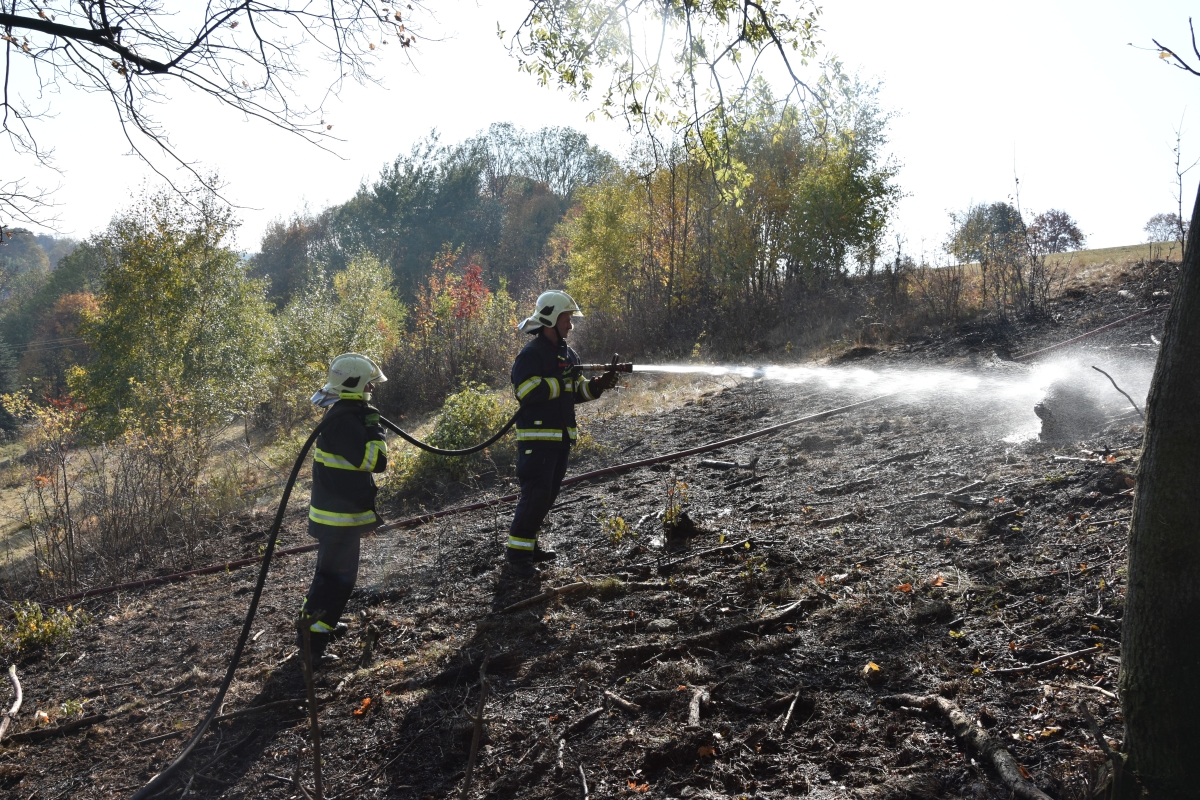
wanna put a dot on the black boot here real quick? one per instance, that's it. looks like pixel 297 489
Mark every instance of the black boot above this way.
pixel 521 567
pixel 540 555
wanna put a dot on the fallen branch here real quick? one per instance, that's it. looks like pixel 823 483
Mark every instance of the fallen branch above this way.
pixel 622 703
pixel 583 782
pixel 702 639
pixel 902 457
pixel 1110 695
pixel 977 738
pixel 699 695
pixel 849 516
pixel 1122 391
pixel 845 487
pixel 1047 662
pixel 788 717
pixel 547 595
pixel 930 526
pixel 477 735
pixel 39 734
pixel 16 706
pixel 581 723
pixel 725 548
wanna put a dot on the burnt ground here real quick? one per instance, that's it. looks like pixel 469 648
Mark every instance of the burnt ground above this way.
pixel 901 547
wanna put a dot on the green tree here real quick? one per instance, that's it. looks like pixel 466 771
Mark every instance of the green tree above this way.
pixel 419 203
pixel 994 237
pixel 180 324
pixel 287 255
pixel 355 310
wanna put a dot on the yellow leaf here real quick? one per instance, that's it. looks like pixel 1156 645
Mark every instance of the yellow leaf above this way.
pixel 957 634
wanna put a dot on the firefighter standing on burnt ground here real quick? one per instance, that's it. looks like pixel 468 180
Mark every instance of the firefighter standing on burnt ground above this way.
pixel 548 383
pixel 346 453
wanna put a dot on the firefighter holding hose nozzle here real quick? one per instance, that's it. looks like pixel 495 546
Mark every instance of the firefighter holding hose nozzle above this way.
pixel 349 449
pixel 548 383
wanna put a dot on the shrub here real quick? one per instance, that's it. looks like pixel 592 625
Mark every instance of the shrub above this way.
pixel 34 626
pixel 101 510
pixel 467 418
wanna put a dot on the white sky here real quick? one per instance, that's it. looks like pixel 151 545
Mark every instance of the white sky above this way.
pixel 1051 89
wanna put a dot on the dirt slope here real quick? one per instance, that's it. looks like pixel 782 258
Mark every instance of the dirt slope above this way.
pixel 906 535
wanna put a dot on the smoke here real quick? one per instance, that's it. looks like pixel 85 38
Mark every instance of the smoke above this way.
pixel 998 397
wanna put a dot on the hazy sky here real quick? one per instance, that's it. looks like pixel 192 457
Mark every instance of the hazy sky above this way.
pixel 1050 90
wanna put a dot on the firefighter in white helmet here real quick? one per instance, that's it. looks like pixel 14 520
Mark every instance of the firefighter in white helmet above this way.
pixel 548 384
pixel 349 449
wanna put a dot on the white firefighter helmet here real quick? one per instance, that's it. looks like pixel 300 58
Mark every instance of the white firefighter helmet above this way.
pixel 349 374
pixel 549 305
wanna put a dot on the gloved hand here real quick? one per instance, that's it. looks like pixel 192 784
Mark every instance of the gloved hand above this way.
pixel 606 381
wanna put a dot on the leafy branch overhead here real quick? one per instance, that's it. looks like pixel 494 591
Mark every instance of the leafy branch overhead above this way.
pixel 715 45
pixel 248 55
pixel 671 61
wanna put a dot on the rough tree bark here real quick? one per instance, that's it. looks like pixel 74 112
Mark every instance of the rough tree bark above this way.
pixel 1160 664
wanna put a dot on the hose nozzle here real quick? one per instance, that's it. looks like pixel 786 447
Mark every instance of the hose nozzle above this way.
pixel 615 366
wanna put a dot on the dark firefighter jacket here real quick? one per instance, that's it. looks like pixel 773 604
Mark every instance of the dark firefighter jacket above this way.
pixel 548 387
pixel 347 451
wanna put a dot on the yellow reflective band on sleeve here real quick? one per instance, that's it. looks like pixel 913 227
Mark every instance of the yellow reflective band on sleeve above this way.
pixel 371 456
pixel 555 387
pixel 539 434
pixel 331 460
pixel 517 543
pixel 339 520
pixel 320 627
pixel 528 386
pixel 568 386
pixel 573 433
pixel 587 391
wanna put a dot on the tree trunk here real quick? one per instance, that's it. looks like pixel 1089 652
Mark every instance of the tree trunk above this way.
pixel 1160 665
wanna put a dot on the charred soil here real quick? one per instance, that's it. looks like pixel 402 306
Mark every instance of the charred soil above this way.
pixel 901 548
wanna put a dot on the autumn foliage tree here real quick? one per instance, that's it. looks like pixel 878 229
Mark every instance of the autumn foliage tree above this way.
pixel 460 333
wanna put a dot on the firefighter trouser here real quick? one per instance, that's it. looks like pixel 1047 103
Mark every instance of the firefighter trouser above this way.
pixel 540 471
pixel 337 572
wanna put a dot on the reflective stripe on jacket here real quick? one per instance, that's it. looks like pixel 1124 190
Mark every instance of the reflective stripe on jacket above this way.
pixel 348 450
pixel 548 393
